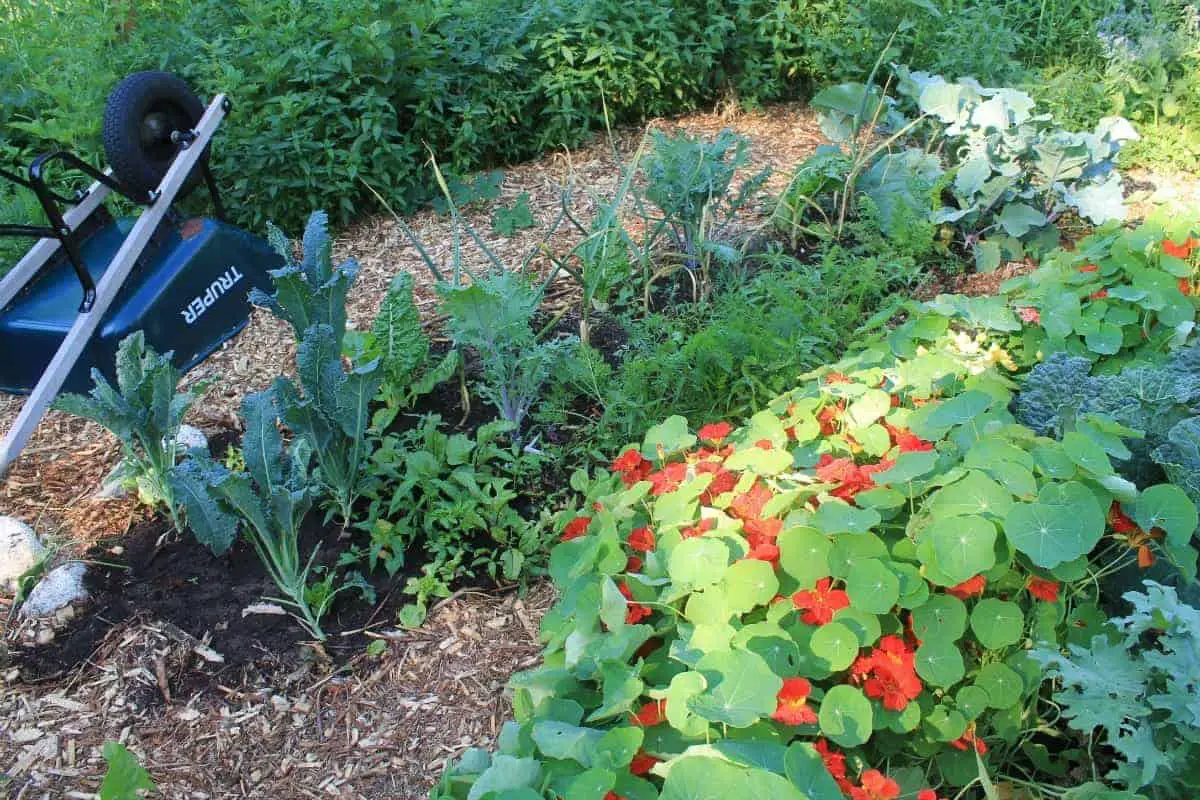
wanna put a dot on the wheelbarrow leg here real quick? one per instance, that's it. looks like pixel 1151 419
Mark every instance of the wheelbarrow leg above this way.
pixel 108 286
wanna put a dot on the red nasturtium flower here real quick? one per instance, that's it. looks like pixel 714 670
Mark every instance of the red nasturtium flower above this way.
pixel 1182 250
pixel 828 416
pixel 1119 522
pixel 792 703
pixel 875 786
pixel 1088 268
pixel 1185 286
pixel 837 377
pixel 1043 589
pixel 906 440
pixel 1098 295
pixel 927 794
pixel 642 763
pixel 576 528
pixel 971 587
pixel 668 478
pixel 722 481
pixel 650 714
pixel 634 612
pixel 835 764
pixel 969 740
pixel 1029 314
pixel 715 432
pixel 699 529
pixel 634 564
pixel 632 467
pixel 642 540
pixel 889 673
pixel 819 604
pixel 749 504
pixel 614 796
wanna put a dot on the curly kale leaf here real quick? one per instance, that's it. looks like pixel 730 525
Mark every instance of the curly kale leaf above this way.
pixel 1179 456
pixel 1054 393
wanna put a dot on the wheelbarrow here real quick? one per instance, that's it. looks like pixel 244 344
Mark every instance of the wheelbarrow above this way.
pixel 91 279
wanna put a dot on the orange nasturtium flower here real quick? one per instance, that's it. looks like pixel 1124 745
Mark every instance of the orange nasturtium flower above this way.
pixel 642 540
pixel 1182 250
pixel 1043 589
pixel 875 786
pixel 715 432
pixel 576 528
pixel 650 714
pixel 971 587
pixel 792 708
pixel 819 604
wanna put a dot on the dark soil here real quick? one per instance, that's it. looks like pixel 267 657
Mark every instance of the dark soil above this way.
pixel 182 583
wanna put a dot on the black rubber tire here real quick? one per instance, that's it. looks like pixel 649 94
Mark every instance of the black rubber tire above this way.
pixel 139 116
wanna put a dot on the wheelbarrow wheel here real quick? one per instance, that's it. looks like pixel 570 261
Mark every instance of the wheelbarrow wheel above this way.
pixel 141 114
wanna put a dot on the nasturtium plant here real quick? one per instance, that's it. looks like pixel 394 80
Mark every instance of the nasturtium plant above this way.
pixel 788 609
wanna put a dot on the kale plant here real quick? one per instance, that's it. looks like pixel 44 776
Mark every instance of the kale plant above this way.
pixel 1141 691
pixel 329 406
pixel 269 501
pixel 689 180
pixel 144 411
pixel 494 316
pixel 1158 402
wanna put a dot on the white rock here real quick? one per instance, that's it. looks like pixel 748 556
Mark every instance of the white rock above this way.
pixel 62 586
pixel 20 549
pixel 190 437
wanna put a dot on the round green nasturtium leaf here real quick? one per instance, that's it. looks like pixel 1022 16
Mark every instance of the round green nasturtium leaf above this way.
pixel 617 747
pixel 873 404
pixel 997 623
pixel 703 777
pixel 838 516
pixel 1105 339
pixel 777 649
pixel 939 662
pixel 804 554
pixel 946 724
pixel 864 624
pixel 943 617
pixel 1064 523
pixel 701 561
pixel 671 435
pixel 803 766
pixel 593 782
pixel 904 721
pixel 907 467
pixel 964 546
pixel 706 607
pixel 759 461
pixel 975 494
pixel 851 550
pixel 683 687
pixel 1167 507
pixel 1087 453
pixel 836 645
pixel 1071 570
pixel 958 768
pixel 972 701
pixel 872 587
pixel 750 583
pixel 741 688
pixel 1053 462
pixel 846 717
pixel 1002 683
pixel 913 589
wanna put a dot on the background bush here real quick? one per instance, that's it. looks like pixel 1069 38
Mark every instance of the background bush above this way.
pixel 328 92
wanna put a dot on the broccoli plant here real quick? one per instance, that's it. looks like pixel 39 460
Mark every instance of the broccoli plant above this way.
pixel 144 411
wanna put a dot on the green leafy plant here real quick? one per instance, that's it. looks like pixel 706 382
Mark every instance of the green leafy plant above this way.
pixel 144 411
pixel 494 317
pixel 269 502
pixel 845 585
pixel 451 498
pixel 507 220
pixel 125 778
pixel 1137 683
pixel 689 180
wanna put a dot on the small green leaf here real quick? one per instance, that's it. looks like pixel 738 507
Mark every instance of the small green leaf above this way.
pixel 942 616
pixel 1065 523
pixel 1087 453
pixel 836 645
pixel 1002 684
pixel 872 587
pixel 837 516
pixel 939 662
pixel 804 555
pixel 749 583
pixel 997 623
pixel 846 716
pixel 1168 508
pixel 671 435
pixel 965 546
pixel 699 561
pixel 125 777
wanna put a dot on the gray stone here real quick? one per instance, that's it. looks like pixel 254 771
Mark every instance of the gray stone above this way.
pixel 190 437
pixel 20 549
pixel 113 485
pixel 62 586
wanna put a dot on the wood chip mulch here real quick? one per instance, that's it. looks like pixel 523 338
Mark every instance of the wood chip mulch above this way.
pixel 381 727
